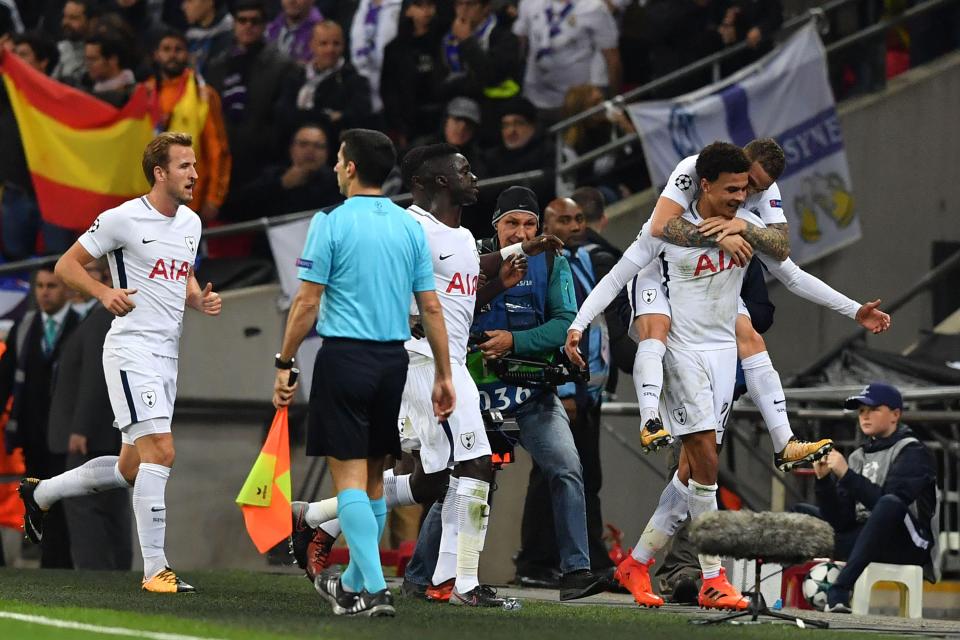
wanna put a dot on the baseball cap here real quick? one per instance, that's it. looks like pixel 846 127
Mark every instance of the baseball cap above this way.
pixel 874 395
pixel 516 199
pixel 464 108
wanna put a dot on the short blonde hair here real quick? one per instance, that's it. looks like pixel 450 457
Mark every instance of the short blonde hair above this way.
pixel 157 153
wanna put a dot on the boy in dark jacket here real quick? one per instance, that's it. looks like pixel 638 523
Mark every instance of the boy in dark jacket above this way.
pixel 882 500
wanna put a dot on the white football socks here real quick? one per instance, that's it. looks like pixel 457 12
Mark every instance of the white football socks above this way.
pixel 99 474
pixel 671 511
pixel 473 513
pixel 396 491
pixel 702 498
pixel 447 559
pixel 150 511
pixel 763 385
pixel 648 377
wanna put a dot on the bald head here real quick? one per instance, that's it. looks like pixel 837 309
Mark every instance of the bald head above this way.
pixel 564 219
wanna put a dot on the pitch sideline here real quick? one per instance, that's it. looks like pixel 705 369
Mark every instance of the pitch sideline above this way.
pixel 93 628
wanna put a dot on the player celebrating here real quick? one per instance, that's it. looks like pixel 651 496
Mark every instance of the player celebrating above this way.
pixel 700 361
pixel 738 239
pixel 151 244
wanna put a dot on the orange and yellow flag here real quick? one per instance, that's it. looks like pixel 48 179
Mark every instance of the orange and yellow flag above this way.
pixel 265 496
pixel 83 154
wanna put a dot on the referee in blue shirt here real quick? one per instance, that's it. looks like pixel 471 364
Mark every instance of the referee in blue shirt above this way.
pixel 360 265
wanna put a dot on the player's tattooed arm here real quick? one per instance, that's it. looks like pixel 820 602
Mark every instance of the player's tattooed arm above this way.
pixel 685 234
pixel 773 240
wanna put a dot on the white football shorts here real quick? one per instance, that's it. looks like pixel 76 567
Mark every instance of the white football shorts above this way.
pixel 697 390
pixel 142 387
pixel 461 437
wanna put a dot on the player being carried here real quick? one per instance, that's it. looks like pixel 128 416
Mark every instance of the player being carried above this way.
pixel 738 239
pixel 699 363
pixel 151 244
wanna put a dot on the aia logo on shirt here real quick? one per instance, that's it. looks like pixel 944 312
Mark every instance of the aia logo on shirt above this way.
pixel 464 284
pixel 704 263
pixel 170 269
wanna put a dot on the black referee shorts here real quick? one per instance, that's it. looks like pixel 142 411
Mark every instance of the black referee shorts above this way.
pixel 355 399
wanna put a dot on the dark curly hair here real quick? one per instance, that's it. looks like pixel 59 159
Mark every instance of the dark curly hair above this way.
pixel 721 157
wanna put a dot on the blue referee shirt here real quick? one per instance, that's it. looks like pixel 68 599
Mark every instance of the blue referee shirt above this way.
pixel 370 255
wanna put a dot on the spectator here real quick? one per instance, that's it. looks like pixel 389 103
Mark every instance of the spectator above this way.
pixel 328 91
pixel 306 183
pixel 754 22
pixel 210 31
pixel 522 147
pixel 106 78
pixel 186 104
pixel 21 219
pixel 292 30
pixel 373 27
pixel 482 57
pixel 75 27
pixel 411 81
pixel 617 173
pixel 680 32
pixel 250 77
pixel 26 369
pixel 81 428
pixel 561 38
pixel 460 128
pixel 882 500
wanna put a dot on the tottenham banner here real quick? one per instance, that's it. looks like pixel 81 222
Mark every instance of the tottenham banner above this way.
pixel 786 96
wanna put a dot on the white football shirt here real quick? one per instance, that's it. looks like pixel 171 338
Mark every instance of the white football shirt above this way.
pixel 683 187
pixel 456 268
pixel 153 254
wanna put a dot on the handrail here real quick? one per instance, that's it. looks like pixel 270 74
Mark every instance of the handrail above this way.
pixel 929 279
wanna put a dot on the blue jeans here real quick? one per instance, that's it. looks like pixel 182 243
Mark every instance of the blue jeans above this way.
pixel 545 434
pixel 22 221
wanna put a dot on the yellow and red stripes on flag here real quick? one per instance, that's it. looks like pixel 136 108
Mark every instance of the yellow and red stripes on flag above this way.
pixel 264 498
pixel 83 154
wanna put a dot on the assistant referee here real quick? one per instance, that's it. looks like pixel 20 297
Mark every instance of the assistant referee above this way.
pixel 359 266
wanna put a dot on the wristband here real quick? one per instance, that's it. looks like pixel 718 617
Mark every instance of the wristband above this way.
pixel 512 250
pixel 279 363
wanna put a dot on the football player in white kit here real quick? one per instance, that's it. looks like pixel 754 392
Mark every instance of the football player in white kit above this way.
pixel 151 244
pixel 700 361
pixel 738 238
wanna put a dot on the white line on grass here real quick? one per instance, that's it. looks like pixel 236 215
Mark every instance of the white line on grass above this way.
pixel 94 628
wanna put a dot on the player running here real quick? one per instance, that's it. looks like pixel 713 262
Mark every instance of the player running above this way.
pixel 151 244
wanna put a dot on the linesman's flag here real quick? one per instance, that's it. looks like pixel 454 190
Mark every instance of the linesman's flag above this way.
pixel 265 496
pixel 83 154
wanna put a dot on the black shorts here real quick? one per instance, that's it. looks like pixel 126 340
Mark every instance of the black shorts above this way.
pixel 355 399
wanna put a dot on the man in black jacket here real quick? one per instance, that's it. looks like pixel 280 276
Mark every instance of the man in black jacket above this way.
pixel 26 369
pixel 81 428
pixel 882 500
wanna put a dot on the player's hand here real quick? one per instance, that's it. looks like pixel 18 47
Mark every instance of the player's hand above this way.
pixel 417 331
pixel 722 227
pixel 77 444
pixel 482 280
pixel 837 463
pixel 118 301
pixel 821 468
pixel 872 319
pixel 499 344
pixel 210 301
pixel 541 244
pixel 444 397
pixel 282 392
pixel 512 271
pixel 738 249
pixel 572 348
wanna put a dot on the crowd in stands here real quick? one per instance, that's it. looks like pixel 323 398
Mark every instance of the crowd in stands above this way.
pixel 274 82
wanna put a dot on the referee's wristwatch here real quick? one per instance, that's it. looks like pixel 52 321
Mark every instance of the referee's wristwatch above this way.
pixel 280 363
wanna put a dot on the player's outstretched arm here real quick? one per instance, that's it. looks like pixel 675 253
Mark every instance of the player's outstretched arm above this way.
pixel 301 317
pixel 70 269
pixel 811 288
pixel 431 316
pixel 206 300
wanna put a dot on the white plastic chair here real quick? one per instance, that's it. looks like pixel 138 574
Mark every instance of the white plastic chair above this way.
pixel 909 579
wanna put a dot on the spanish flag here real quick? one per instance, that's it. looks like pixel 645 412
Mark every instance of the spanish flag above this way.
pixel 265 496
pixel 83 154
